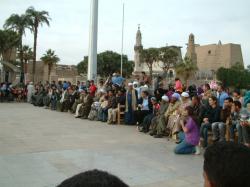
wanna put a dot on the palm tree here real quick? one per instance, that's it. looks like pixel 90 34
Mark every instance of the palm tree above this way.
pixel 186 69
pixel 149 56
pixel 27 55
pixel 37 18
pixel 18 23
pixel 50 58
pixel 8 41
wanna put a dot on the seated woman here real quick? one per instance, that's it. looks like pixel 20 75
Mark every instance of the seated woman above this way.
pixel 95 107
pixel 145 107
pixel 190 136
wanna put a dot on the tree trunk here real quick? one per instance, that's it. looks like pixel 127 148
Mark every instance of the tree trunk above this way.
pixel 186 83
pixel 25 66
pixel 151 71
pixel 34 55
pixel 21 58
pixel 49 70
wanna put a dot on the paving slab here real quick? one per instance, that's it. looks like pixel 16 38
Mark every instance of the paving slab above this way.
pixel 41 148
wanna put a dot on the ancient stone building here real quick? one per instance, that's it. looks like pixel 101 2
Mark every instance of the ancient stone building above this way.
pixel 210 58
pixel 58 72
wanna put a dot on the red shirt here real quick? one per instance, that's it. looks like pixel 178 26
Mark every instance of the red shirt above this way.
pixel 92 90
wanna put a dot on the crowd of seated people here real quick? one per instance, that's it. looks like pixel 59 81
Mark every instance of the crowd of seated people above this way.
pixel 8 92
pixel 193 116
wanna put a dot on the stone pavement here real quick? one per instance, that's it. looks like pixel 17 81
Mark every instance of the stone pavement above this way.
pixel 41 148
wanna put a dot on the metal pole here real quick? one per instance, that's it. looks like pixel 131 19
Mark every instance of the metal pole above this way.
pixel 122 38
pixel 93 29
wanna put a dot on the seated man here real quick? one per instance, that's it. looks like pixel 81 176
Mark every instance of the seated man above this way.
pixel 235 121
pixel 147 120
pixel 158 123
pixel 112 112
pixel 199 108
pixel 65 100
pixel 73 96
pixel 47 97
pixel 86 106
pixel 112 107
pixel 212 115
pixel 94 178
pixel 226 164
pixel 144 108
pixel 219 128
pixel 54 98
pixel 245 124
pixel 171 115
pixel 79 103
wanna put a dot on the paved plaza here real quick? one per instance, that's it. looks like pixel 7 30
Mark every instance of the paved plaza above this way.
pixel 40 148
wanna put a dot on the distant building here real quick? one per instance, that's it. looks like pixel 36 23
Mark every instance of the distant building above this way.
pixel 58 72
pixel 157 66
pixel 8 71
pixel 210 58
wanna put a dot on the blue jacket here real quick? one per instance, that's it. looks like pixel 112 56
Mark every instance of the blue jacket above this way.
pixel 221 97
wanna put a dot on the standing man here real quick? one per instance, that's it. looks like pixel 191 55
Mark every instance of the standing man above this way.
pixel 31 90
pixel 131 104
pixel 221 95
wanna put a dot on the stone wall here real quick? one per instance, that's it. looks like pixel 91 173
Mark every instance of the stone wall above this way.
pixel 58 72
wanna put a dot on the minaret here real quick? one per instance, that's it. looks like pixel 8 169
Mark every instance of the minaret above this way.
pixel 138 48
pixel 191 49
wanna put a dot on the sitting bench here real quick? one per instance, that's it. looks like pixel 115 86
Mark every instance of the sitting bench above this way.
pixel 120 113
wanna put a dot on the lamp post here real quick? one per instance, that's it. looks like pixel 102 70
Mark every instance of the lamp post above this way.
pixel 93 30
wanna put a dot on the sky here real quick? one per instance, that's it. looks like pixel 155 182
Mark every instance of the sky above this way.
pixel 163 22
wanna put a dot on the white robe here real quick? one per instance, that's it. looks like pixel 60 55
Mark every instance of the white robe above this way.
pixel 30 89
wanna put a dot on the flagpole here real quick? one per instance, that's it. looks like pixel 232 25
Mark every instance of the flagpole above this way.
pixel 122 39
pixel 93 32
